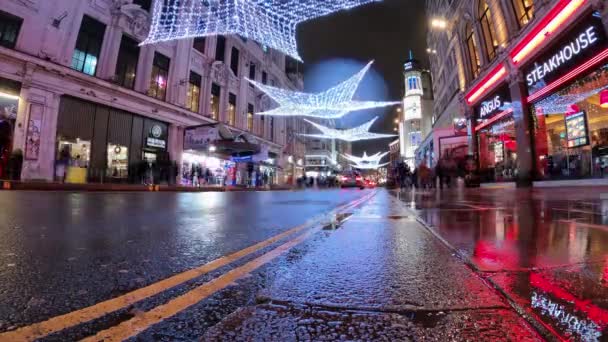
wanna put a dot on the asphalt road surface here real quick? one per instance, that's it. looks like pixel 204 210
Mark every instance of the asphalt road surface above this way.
pixel 489 265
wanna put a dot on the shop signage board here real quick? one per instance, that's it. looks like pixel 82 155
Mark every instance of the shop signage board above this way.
pixel 578 45
pixel 157 136
pixel 494 103
pixel 577 133
pixel 200 138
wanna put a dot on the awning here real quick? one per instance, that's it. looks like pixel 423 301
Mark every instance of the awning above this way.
pixel 236 148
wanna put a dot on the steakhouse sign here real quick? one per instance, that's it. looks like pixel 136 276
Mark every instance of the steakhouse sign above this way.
pixel 577 46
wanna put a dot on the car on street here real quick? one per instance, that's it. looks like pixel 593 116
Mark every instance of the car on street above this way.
pixel 352 179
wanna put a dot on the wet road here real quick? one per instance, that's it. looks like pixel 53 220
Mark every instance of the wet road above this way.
pixel 268 266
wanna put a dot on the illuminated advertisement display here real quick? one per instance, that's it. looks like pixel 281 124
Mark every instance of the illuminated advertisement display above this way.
pixel 577 133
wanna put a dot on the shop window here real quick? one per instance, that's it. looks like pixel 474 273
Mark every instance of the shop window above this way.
pixel 215 101
pixel 160 75
pixel 572 130
pixel 10 26
pixel 487 29
pixel 73 158
pixel 193 96
pixel 88 46
pixel 234 61
pixel 524 11
pixel 474 60
pixel 118 161
pixel 220 48
pixel 199 44
pixel 250 112
pixel 126 66
pixel 231 109
pixel 498 151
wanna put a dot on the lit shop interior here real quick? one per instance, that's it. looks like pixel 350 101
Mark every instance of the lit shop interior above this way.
pixel 498 150
pixel 572 129
pixel 199 169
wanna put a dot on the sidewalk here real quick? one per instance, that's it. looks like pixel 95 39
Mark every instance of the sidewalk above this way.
pixel 381 276
pixel 96 187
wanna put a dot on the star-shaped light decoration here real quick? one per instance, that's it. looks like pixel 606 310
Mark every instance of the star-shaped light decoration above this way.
pixel 366 162
pixel 354 134
pixel 330 104
pixel 269 22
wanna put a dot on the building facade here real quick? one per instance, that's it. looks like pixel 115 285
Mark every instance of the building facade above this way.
pixel 83 89
pixel 530 79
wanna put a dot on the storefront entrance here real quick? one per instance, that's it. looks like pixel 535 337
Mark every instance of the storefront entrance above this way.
pixel 96 143
pixel 9 102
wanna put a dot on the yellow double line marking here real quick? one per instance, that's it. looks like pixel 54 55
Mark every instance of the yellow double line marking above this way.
pixel 141 322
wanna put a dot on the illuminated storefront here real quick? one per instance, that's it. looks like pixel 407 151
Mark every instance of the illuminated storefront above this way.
pixel 571 114
pixel 543 113
pixel 495 137
pixel 96 143
pixel 9 103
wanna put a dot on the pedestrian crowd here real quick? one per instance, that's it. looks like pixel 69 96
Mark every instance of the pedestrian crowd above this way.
pixel 444 174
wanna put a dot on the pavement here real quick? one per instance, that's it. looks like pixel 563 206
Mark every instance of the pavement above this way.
pixel 371 265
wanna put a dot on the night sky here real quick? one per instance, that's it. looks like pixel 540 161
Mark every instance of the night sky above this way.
pixel 384 32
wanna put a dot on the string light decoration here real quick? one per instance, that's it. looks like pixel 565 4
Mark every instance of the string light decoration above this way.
pixel 366 162
pixel 333 103
pixel 354 134
pixel 269 22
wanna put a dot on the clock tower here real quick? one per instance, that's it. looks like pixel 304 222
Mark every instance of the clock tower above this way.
pixel 410 135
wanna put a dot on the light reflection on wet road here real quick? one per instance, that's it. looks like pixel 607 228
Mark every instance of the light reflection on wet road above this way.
pixel 546 249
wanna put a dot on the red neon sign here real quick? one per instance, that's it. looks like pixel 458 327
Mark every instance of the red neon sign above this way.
pixel 569 76
pixel 494 119
pixel 491 79
pixel 545 29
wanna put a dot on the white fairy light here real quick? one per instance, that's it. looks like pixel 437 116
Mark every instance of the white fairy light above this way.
pixel 333 103
pixel 269 22
pixel 366 162
pixel 560 104
pixel 354 134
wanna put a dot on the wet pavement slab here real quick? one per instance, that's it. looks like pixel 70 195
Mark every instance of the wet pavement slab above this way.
pixel 546 250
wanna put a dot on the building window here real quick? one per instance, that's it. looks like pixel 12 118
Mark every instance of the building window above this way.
pixel 146 5
pixel 252 72
pixel 524 11
pixel 193 97
pixel 220 48
pixel 199 44
pixel 264 77
pixel 126 66
pixel 250 112
pixel 216 91
pixel 231 109
pixel 234 61
pixel 474 61
pixel 88 46
pixel 262 128
pixel 271 129
pixel 10 26
pixel 487 29
pixel 160 75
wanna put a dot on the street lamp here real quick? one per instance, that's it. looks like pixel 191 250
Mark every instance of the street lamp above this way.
pixel 212 148
pixel 439 23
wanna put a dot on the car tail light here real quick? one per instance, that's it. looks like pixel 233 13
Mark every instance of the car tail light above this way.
pixel 358 178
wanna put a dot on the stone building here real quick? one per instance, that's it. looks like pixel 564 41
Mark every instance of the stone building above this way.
pixel 80 81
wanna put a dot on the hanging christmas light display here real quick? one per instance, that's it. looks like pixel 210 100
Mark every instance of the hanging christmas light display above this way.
pixel 354 134
pixel 366 162
pixel 269 22
pixel 330 104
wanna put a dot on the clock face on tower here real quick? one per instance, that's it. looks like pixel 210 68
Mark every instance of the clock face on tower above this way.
pixel 411 108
